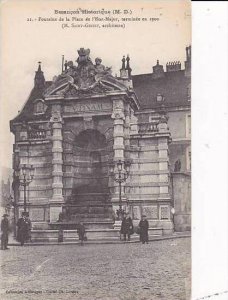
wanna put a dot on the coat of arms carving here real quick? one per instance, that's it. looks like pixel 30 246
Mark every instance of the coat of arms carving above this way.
pixel 85 78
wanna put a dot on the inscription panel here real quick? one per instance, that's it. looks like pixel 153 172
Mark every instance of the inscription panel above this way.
pixel 88 106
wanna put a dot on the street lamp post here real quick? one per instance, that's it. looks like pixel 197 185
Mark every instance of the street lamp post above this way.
pixel 120 173
pixel 25 174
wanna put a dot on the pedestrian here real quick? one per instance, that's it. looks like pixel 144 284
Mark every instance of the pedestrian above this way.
pixel 29 227
pixel 143 229
pixel 5 232
pixel 81 232
pixel 23 229
pixel 126 227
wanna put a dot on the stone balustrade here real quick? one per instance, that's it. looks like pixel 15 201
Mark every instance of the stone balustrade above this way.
pixel 37 134
pixel 148 127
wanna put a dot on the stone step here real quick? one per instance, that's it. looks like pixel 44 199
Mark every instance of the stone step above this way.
pixel 88 210
pixel 88 204
pixel 88 223
pixel 88 218
pixel 102 216
pixel 105 234
pixel 91 201
pixel 90 197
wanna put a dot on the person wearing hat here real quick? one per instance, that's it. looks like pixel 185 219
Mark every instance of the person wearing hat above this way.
pixel 143 227
pixel 5 232
pixel 126 226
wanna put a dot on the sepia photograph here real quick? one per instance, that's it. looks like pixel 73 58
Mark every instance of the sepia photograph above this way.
pixel 96 150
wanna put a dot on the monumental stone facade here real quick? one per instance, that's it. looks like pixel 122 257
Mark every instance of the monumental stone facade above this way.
pixel 72 128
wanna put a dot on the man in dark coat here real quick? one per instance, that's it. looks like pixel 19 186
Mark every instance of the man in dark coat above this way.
pixel 143 229
pixel 126 227
pixel 5 232
pixel 81 232
pixel 23 226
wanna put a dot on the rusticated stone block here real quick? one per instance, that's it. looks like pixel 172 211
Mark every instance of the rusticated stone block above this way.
pixel 37 214
pixel 150 211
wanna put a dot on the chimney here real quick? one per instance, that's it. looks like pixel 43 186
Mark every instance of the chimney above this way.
pixel 188 61
pixel 173 66
pixel 158 71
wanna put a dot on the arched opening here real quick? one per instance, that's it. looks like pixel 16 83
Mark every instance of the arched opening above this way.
pixel 91 162
pixel 89 199
pixel 90 139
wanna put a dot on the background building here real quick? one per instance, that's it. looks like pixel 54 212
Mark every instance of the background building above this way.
pixel 171 89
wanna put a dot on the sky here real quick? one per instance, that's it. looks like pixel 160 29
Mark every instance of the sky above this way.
pixel 24 43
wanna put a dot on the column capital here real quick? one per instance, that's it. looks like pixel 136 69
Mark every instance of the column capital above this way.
pixel 118 115
pixel 56 117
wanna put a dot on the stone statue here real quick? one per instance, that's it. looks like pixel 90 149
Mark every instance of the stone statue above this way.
pixel 83 57
pixel 123 63
pixel 101 69
pixel 98 66
pixel 85 78
pixel 72 70
pixel 177 166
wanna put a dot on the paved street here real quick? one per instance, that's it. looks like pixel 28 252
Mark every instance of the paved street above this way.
pixel 159 270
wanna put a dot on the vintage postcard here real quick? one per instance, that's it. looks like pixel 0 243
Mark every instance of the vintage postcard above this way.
pixel 96 140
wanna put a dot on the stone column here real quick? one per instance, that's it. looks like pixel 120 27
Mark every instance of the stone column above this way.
pixel 118 132
pixel 57 162
pixel 118 145
pixel 127 145
pixel 127 131
pixel 164 172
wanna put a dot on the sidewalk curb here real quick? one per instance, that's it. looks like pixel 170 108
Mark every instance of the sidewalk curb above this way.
pixel 154 239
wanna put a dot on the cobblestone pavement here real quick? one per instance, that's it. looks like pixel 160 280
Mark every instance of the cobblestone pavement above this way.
pixel 129 271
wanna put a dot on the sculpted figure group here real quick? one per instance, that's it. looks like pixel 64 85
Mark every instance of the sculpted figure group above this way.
pixel 85 78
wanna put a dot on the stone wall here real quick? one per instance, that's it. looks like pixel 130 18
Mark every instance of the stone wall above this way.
pixel 178 151
pixel 39 191
pixel 182 201
pixel 178 124
pixel 147 188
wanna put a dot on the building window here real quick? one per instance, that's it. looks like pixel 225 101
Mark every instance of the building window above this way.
pixel 39 107
pixel 188 125
pixel 189 158
pixel 160 98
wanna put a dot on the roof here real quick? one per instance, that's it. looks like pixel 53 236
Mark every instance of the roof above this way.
pixel 26 112
pixel 173 86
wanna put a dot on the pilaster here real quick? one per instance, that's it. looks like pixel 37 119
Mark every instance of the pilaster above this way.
pixel 118 116
pixel 57 162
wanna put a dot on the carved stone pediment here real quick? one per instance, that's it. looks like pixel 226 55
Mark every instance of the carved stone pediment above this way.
pixel 85 79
